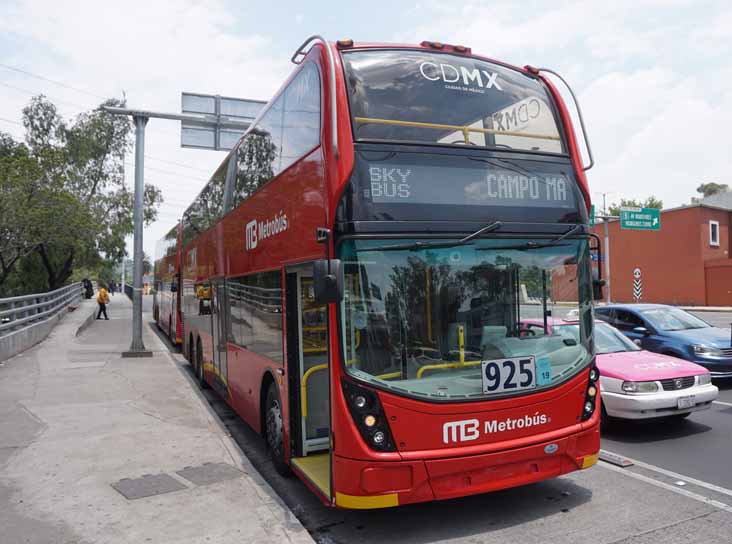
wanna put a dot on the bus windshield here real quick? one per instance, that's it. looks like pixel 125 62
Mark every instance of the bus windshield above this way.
pixel 422 320
pixel 424 96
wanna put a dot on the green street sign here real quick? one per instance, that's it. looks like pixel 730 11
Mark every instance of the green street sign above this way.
pixel 592 215
pixel 640 218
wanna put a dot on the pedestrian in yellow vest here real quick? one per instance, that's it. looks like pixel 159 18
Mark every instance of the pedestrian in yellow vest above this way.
pixel 102 300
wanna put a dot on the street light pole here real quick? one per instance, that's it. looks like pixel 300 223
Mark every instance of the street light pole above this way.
pixel 606 220
pixel 141 117
pixel 137 347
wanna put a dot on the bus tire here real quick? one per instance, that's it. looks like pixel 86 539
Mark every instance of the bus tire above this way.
pixel 199 366
pixel 274 435
pixel 190 354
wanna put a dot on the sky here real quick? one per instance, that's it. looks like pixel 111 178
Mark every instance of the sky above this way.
pixel 653 77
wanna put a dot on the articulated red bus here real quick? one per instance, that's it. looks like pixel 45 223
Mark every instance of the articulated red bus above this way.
pixel 358 276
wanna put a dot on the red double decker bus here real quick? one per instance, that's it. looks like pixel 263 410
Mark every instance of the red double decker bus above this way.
pixel 166 299
pixel 358 278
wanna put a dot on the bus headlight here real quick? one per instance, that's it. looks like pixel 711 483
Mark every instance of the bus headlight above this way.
pixel 705 379
pixel 588 408
pixel 369 416
pixel 639 387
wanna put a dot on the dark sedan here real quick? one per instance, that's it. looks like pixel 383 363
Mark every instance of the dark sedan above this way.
pixel 673 331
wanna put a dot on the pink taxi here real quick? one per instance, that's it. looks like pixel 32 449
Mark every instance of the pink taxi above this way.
pixel 639 384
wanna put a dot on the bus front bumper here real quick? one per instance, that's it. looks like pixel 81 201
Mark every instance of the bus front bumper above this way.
pixel 367 484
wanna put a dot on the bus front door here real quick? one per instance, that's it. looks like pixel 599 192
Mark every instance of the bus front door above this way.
pixel 307 327
pixel 219 327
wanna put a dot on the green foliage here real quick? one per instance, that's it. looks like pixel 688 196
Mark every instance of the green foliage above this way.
pixel 711 188
pixel 650 202
pixel 63 201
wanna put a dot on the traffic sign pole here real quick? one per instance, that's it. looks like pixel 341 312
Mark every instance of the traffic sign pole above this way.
pixel 607 259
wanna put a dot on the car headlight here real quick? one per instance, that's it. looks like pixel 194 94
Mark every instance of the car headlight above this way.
pixel 639 387
pixel 706 351
pixel 705 379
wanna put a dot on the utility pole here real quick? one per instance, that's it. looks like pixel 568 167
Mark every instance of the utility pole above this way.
pixel 605 221
pixel 140 118
pixel 137 347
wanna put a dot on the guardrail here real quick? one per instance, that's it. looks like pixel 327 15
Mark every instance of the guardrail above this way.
pixel 20 312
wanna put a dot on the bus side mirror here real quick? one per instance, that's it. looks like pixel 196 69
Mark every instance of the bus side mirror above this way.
pixel 173 287
pixel 328 281
pixel 597 286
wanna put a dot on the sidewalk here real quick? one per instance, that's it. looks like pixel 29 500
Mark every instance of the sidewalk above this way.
pixel 76 419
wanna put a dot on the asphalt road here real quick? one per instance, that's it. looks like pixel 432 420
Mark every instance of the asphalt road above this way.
pixel 699 446
pixel 679 491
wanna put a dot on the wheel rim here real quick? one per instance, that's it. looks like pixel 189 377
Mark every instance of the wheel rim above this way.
pixel 274 428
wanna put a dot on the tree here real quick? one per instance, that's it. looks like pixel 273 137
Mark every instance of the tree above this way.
pixel 711 188
pixel 650 202
pixel 64 201
pixel 147 264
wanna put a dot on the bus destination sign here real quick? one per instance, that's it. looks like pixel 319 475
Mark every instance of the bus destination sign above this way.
pixel 413 184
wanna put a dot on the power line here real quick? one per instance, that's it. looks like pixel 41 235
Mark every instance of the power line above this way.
pixel 10 121
pixel 178 164
pixel 59 83
pixel 169 173
pixel 21 89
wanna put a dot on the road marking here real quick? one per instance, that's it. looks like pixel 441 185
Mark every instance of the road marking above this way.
pixel 669 487
pixel 677 476
pixel 722 403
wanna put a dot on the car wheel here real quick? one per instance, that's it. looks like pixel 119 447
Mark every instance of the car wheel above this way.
pixel 274 431
pixel 606 422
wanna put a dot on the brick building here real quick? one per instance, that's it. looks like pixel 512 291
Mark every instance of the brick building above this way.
pixel 687 262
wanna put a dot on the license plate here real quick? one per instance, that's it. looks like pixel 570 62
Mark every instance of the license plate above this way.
pixel 686 402
pixel 503 375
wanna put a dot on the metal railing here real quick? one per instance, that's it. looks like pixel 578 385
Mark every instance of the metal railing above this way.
pixel 19 312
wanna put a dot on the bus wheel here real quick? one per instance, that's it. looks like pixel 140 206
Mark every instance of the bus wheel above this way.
pixel 274 434
pixel 199 366
pixel 189 352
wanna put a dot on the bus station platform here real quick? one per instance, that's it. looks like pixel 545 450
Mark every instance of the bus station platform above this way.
pixel 97 448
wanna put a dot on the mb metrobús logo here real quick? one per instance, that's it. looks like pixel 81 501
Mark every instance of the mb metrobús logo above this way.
pixel 256 231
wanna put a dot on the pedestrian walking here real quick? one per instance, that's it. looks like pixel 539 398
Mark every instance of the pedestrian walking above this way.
pixel 112 287
pixel 102 300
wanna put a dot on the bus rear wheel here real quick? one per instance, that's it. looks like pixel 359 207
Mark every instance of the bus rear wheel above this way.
pixel 199 365
pixel 274 432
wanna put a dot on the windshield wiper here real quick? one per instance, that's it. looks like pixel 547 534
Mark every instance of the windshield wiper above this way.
pixel 536 245
pixel 417 246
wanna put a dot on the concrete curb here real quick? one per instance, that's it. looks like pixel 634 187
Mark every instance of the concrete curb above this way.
pixel 88 321
pixel 291 525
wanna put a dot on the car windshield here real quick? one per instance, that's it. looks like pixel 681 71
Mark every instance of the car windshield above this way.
pixel 607 339
pixel 673 319
pixel 401 95
pixel 421 320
